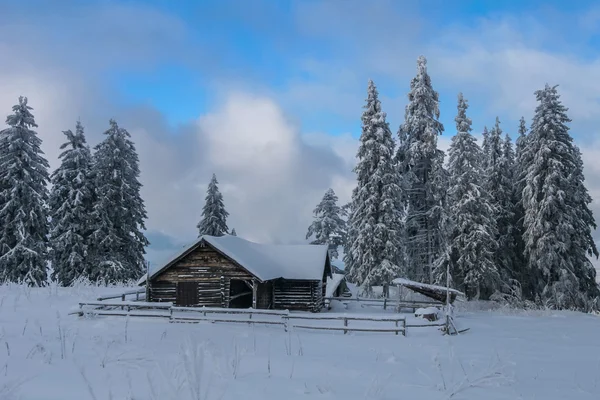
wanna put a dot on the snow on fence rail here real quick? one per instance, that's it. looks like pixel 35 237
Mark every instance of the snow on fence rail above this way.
pixel 410 304
pixel 123 295
pixel 228 315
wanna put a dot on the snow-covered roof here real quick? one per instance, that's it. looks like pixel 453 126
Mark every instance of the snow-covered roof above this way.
pixel 333 283
pixel 265 261
pixel 407 282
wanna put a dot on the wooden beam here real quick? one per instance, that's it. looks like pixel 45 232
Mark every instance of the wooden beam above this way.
pixel 254 293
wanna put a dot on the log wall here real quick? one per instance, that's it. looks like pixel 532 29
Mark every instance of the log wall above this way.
pixel 205 266
pixel 298 295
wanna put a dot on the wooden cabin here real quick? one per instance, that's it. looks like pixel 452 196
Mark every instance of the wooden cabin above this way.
pixel 231 272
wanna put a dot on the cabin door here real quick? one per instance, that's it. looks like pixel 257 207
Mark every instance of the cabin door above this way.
pixel 187 294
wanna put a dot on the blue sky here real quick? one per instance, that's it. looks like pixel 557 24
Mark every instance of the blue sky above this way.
pixel 248 49
pixel 269 94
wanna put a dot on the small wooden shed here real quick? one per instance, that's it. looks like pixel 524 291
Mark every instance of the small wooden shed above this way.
pixel 232 272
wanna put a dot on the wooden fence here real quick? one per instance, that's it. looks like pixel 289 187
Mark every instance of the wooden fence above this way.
pixel 386 302
pixel 281 317
pixel 123 296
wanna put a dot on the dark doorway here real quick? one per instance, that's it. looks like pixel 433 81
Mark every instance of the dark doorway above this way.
pixel 187 294
pixel 240 294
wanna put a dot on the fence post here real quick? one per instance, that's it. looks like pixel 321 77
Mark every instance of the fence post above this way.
pixel 384 303
pixel 404 326
pixel 285 323
pixel 396 327
pixel 170 313
pixel 345 324
pixel 447 324
pixel 123 297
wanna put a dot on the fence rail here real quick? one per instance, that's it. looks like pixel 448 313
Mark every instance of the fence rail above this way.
pixel 282 317
pixel 386 302
pixel 122 296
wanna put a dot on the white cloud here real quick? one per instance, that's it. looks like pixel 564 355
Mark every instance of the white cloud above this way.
pixel 251 135
pixel 270 176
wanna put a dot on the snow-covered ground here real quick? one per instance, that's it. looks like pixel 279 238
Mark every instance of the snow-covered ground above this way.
pixel 47 354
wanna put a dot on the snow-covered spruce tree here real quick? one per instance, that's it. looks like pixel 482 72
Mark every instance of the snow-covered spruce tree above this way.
pixel 506 202
pixel 421 161
pixel 583 239
pixel 522 160
pixel 328 226
pixel 558 220
pixel 233 232
pixel 214 215
pixel 23 211
pixel 472 242
pixel 374 251
pixel 71 208
pixel 485 148
pixel 500 185
pixel 117 242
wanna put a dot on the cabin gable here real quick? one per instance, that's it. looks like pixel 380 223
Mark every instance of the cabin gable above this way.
pixel 205 271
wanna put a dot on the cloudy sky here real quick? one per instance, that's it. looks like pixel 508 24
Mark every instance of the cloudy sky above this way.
pixel 268 94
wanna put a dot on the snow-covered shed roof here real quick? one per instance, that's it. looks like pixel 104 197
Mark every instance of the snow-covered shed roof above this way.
pixel 264 261
pixel 333 283
pixel 433 291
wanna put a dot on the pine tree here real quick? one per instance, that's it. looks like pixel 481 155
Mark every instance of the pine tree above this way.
pixel 558 221
pixel 214 215
pixel 472 243
pixel 583 240
pixel 499 164
pixel 233 232
pixel 506 204
pixel 117 243
pixel 374 253
pixel 522 157
pixel 422 162
pixel 23 212
pixel 328 226
pixel 485 148
pixel 71 208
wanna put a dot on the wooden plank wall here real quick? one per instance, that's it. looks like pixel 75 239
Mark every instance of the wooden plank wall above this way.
pixel 163 291
pixel 264 295
pixel 298 295
pixel 206 266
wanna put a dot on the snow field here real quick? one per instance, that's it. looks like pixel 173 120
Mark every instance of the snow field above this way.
pixel 47 354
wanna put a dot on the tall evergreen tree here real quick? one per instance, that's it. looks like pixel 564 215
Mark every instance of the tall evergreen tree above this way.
pixel 374 253
pixel 506 204
pixel 328 226
pixel 422 161
pixel 71 208
pixel 233 232
pixel 485 148
pixel 558 221
pixel 23 212
pixel 499 164
pixel 472 244
pixel 214 215
pixel 117 251
pixel 522 157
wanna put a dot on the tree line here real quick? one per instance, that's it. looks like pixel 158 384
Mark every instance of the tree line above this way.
pixel 496 221
pixel 505 223
pixel 87 225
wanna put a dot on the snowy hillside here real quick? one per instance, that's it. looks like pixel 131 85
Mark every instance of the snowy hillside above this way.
pixel 47 354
